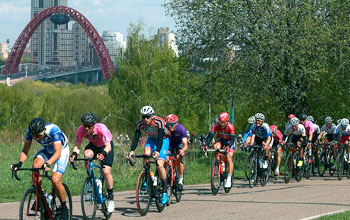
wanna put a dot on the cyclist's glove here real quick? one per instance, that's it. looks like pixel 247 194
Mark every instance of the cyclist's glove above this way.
pixel 17 165
pixel 74 155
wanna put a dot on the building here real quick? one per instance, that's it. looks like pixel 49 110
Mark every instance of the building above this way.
pixel 57 45
pixel 114 43
pixel 167 39
pixel 4 51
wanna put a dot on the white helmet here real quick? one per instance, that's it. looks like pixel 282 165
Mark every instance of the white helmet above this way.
pixel 310 118
pixel 259 116
pixel 328 119
pixel 344 122
pixel 251 119
pixel 147 110
pixel 294 121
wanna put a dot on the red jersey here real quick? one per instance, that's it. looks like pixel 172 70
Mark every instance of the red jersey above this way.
pixel 152 129
pixel 223 133
pixel 277 139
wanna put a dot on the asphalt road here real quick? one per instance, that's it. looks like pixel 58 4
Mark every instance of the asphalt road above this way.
pixel 274 201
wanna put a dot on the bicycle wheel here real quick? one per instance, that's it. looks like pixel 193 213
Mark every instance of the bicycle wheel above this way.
pixel 56 204
pixel 27 207
pixel 288 169
pixel 246 167
pixel 88 200
pixel 307 166
pixel 322 165
pixel 227 189
pixel 340 165
pixel 299 169
pixel 104 204
pixel 170 185
pixel 177 193
pixel 265 174
pixel 215 178
pixel 143 194
pixel 158 190
pixel 253 171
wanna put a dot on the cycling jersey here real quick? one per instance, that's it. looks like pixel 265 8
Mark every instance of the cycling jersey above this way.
pixel 52 134
pixel 309 127
pixel 317 129
pixel 101 135
pixel 277 139
pixel 300 131
pixel 223 133
pixel 152 129
pixel 342 132
pixel 328 130
pixel 246 133
pixel 177 135
pixel 261 132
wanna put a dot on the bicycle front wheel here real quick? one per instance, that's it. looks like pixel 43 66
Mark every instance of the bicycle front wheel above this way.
pixel 143 194
pixel 340 165
pixel 28 208
pixel 253 171
pixel 288 169
pixel 322 165
pixel 215 178
pixel 88 199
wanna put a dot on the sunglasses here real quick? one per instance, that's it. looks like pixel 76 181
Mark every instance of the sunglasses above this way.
pixel 146 116
pixel 88 125
pixel 170 124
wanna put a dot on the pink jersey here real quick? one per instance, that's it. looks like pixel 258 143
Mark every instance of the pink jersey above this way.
pixel 99 138
pixel 223 133
pixel 309 126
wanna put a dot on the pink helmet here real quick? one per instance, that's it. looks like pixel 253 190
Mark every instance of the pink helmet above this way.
pixel 273 128
pixel 224 117
pixel 291 116
pixel 171 118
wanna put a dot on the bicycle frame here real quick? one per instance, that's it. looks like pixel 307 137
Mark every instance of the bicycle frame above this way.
pixel 173 162
pixel 220 156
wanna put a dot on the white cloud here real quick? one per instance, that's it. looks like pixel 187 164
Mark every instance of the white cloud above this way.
pixel 7 9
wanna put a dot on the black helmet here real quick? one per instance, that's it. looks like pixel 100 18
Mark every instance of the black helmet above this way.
pixel 302 116
pixel 88 117
pixel 36 125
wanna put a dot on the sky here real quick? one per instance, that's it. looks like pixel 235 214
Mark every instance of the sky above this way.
pixel 103 14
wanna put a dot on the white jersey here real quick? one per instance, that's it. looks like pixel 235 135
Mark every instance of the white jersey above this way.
pixel 300 131
pixel 342 132
pixel 317 129
pixel 327 130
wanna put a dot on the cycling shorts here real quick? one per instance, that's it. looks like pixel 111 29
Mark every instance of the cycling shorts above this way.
pixel 96 150
pixel 60 164
pixel 175 148
pixel 152 143
pixel 226 143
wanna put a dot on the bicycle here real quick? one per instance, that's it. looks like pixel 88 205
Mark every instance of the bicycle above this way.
pixel 258 167
pixel 291 167
pixel 325 159
pixel 273 161
pixel 37 203
pixel 218 174
pixel 93 192
pixel 307 164
pixel 342 163
pixel 148 187
pixel 172 178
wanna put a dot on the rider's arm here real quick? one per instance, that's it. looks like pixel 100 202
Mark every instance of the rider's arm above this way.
pixel 160 138
pixel 24 154
pixel 76 148
pixel 135 141
pixel 252 140
pixel 232 141
pixel 185 143
pixel 108 147
pixel 209 138
pixel 57 146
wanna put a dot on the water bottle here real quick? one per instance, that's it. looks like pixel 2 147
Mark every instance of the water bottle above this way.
pixel 260 163
pixel 154 178
pixel 223 166
pixel 265 164
pixel 49 200
pixel 99 185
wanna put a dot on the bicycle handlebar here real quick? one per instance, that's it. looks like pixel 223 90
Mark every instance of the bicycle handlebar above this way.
pixel 84 159
pixel 132 163
pixel 14 172
pixel 217 150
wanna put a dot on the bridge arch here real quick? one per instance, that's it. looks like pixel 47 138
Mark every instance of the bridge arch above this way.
pixel 11 65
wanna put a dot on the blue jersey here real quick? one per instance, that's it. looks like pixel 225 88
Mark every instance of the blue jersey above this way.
pixel 262 131
pixel 52 134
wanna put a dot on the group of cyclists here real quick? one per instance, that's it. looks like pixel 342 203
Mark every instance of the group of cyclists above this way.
pixel 165 137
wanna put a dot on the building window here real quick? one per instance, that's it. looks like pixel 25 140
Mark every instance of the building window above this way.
pixel 56 2
pixel 41 3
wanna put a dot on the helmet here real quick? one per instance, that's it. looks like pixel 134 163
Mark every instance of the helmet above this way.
pixel 273 128
pixel 147 110
pixel 36 125
pixel 291 116
pixel 302 116
pixel 259 116
pixel 344 122
pixel 294 121
pixel 216 119
pixel 171 118
pixel 88 117
pixel 328 119
pixel 310 118
pixel 224 117
pixel 251 119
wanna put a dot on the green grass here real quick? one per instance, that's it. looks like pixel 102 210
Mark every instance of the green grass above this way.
pixel 340 216
pixel 197 168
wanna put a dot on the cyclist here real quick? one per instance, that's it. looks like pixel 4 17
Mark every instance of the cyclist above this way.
pixel 277 140
pixel 290 116
pixel 343 134
pixel 246 138
pixel 54 154
pixel 309 127
pixel 317 132
pixel 225 139
pixel 260 133
pixel 178 143
pixel 327 131
pixel 100 146
pixel 296 134
pixel 157 142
